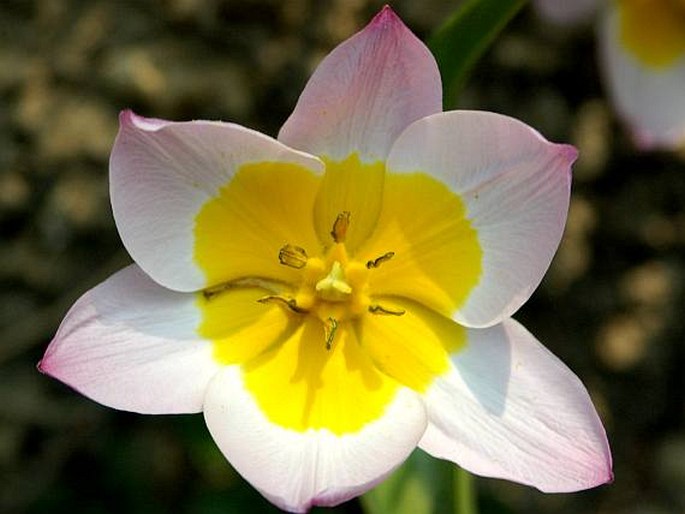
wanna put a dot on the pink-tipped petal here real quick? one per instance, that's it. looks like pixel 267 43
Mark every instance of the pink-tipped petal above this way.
pixel 365 92
pixel 162 173
pixel 297 470
pixel 650 100
pixel 515 186
pixel 510 409
pixel 130 344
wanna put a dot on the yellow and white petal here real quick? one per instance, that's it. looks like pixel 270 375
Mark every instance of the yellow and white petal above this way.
pixel 437 256
pixel 199 203
pixel 241 326
pixel 502 181
pixel 510 409
pixel 642 51
pixel 297 469
pixel 133 345
pixel 365 92
pixel 409 342
pixel 317 376
pixel 349 186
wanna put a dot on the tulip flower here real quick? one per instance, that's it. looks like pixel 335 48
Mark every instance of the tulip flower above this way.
pixel 642 60
pixel 642 45
pixel 338 296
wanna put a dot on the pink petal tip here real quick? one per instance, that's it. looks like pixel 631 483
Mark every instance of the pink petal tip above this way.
pixel 127 118
pixel 568 153
pixel 386 19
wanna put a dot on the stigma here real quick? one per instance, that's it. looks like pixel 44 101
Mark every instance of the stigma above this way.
pixel 333 287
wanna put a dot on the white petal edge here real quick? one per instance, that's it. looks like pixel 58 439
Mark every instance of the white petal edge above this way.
pixel 650 101
pixel 130 344
pixel 365 92
pixel 516 188
pixel 510 409
pixel 162 173
pixel 298 470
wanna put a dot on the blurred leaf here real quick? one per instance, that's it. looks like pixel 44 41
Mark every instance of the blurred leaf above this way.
pixel 465 36
pixel 422 485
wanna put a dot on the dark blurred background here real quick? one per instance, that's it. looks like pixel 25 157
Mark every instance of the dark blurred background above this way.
pixel 612 305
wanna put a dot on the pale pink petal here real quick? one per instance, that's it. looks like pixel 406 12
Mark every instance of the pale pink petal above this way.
pixel 365 92
pixel 131 344
pixel 515 186
pixel 510 409
pixel 297 470
pixel 162 173
pixel 650 100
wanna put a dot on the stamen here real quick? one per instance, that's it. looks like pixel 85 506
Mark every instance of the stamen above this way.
pixel 380 260
pixel 289 303
pixel 330 327
pixel 272 285
pixel 211 292
pixel 340 226
pixel 293 256
pixel 383 311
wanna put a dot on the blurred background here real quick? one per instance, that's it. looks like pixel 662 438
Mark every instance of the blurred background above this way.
pixel 611 307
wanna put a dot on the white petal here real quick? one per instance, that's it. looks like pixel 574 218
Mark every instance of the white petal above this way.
pixel 131 344
pixel 365 92
pixel 516 188
pixel 162 173
pixel 510 409
pixel 650 100
pixel 296 470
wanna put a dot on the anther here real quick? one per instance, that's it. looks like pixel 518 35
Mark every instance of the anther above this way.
pixel 293 256
pixel 383 311
pixel 289 303
pixel 340 226
pixel 330 327
pixel 379 260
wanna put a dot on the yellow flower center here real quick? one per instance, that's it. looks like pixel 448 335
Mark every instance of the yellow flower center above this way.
pixel 333 288
pixel 333 292
pixel 653 31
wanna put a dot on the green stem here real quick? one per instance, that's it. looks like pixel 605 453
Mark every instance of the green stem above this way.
pixel 464 492
pixel 459 42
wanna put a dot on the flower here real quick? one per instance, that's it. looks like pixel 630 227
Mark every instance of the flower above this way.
pixel 337 297
pixel 642 58
pixel 642 45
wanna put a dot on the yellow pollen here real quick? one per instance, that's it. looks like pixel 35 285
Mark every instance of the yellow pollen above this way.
pixel 330 328
pixel 340 226
pixel 380 260
pixel 290 303
pixel 379 309
pixel 293 256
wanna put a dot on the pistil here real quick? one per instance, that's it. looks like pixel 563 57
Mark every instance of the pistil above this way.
pixel 333 286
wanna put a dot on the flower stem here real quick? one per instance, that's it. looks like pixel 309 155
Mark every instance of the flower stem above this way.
pixel 464 492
